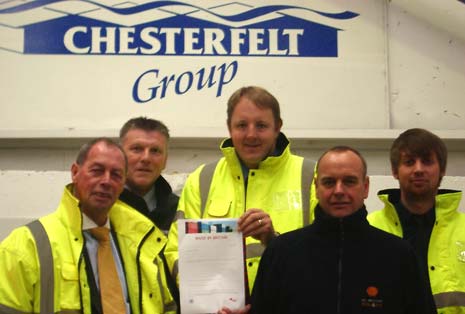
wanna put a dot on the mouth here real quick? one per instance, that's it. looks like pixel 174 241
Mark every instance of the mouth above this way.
pixel 419 181
pixel 144 170
pixel 103 195
pixel 340 204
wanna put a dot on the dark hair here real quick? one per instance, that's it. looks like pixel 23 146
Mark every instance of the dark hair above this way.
pixel 341 149
pixel 146 124
pixel 259 96
pixel 84 150
pixel 418 143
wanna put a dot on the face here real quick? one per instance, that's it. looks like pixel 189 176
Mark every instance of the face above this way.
pixel 253 131
pixel 340 186
pixel 418 177
pixel 99 181
pixel 147 152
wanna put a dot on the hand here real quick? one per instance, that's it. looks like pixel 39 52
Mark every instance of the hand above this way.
pixel 257 224
pixel 244 310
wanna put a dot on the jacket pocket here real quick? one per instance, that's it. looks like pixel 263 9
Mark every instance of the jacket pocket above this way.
pixel 69 290
pixel 219 208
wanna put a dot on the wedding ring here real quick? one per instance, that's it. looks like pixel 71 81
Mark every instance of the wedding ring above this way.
pixel 260 222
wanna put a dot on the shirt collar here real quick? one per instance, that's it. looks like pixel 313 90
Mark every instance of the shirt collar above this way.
pixel 88 223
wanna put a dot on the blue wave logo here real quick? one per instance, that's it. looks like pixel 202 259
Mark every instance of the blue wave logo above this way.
pixel 171 28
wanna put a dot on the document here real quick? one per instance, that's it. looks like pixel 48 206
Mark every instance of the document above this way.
pixel 211 265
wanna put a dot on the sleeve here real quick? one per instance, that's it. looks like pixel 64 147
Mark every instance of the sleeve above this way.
pixel 19 271
pixel 188 207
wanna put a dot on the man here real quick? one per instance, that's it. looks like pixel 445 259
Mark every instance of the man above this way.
pixel 258 180
pixel 145 142
pixel 55 264
pixel 339 264
pixel 426 216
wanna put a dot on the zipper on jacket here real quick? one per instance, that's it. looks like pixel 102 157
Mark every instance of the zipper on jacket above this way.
pixel 139 273
pixel 340 253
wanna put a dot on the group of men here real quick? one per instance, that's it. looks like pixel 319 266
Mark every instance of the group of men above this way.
pixel 310 247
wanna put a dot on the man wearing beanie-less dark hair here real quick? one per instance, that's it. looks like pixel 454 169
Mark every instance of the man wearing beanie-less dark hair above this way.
pixel 426 216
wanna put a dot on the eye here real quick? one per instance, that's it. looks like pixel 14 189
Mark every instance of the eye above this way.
pixel 241 125
pixel 409 162
pixel 427 161
pixel 350 181
pixel 155 150
pixel 116 175
pixel 136 149
pixel 328 182
pixel 261 126
pixel 96 171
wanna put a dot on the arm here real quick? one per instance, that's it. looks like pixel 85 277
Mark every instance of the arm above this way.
pixel 188 207
pixel 19 271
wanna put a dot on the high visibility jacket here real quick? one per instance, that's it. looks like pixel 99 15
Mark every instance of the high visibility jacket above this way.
pixel 139 244
pixel 446 251
pixel 275 187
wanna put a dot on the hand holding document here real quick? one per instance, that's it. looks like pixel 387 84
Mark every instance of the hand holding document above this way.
pixel 211 265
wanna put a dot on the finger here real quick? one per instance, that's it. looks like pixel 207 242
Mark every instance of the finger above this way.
pixel 256 225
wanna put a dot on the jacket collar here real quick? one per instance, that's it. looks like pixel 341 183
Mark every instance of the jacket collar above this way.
pixel 282 152
pixel 353 223
pixel 447 201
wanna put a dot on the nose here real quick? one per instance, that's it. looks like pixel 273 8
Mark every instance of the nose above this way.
pixel 145 154
pixel 106 177
pixel 339 188
pixel 418 166
pixel 251 131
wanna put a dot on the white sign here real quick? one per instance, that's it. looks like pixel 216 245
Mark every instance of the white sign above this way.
pixel 79 65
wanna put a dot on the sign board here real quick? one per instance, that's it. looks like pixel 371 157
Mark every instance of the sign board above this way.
pixel 92 65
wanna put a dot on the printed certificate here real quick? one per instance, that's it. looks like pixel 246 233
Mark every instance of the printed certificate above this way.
pixel 211 265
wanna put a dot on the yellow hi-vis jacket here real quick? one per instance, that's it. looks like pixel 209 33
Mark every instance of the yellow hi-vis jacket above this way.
pixel 446 251
pixel 26 287
pixel 277 187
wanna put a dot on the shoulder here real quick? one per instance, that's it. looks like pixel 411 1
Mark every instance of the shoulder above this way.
pixel 386 240
pixel 290 241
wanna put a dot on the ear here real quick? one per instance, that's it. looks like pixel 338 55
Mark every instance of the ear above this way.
pixel 395 173
pixel 74 171
pixel 366 186
pixel 279 125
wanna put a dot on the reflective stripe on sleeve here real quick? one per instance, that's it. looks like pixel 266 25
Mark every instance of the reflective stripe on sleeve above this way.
pixel 447 299
pixel 44 251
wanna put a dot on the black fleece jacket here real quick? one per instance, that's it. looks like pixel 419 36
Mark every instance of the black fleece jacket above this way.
pixel 340 266
pixel 167 203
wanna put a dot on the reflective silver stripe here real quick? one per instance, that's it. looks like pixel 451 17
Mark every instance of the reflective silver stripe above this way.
pixel 179 215
pixel 44 250
pixel 254 250
pixel 171 307
pixel 205 181
pixel 8 310
pixel 446 299
pixel 308 167
pixel 175 270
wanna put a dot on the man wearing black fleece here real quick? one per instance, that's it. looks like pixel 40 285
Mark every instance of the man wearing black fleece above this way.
pixel 340 264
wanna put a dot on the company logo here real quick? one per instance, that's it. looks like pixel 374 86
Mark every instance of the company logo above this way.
pixel 168 28
pixel 372 299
